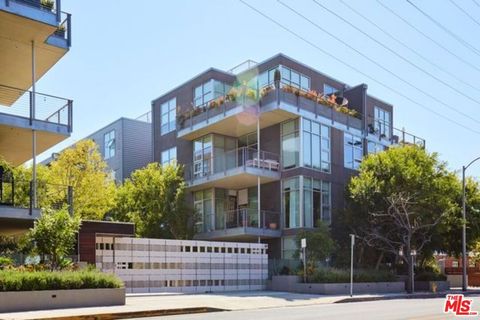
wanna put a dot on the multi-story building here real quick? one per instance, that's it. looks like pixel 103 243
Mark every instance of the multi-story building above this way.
pixel 34 35
pixel 125 145
pixel 269 150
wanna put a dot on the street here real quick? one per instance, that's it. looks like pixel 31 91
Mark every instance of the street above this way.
pixel 381 310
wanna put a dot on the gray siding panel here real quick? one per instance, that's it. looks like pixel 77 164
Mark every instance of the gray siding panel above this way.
pixel 137 145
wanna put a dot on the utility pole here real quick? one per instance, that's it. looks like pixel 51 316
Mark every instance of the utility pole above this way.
pixel 352 245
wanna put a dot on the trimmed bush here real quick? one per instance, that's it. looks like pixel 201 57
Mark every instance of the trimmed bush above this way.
pixel 18 280
pixel 331 275
pixel 430 276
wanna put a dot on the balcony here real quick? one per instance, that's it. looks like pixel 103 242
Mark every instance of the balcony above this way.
pixel 24 21
pixel 237 113
pixel 17 211
pixel 234 169
pixel 241 224
pixel 376 130
pixel 51 117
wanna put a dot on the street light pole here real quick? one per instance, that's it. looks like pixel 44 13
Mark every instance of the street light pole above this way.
pixel 464 234
pixel 464 227
pixel 352 244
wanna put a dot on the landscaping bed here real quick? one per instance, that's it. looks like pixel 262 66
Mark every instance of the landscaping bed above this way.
pixel 25 290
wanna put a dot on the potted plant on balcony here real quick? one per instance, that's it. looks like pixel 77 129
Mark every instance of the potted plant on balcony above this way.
pixel 60 31
pixel 273 225
pixel 47 4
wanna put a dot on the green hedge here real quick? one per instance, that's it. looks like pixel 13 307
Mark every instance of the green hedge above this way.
pixel 17 280
pixel 331 275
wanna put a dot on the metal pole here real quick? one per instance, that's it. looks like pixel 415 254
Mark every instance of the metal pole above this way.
pixel 304 265
pixel 352 244
pixel 413 272
pixel 258 159
pixel 34 133
pixel 464 234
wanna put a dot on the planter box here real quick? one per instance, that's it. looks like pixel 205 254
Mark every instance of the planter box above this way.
pixel 293 284
pixel 432 286
pixel 13 301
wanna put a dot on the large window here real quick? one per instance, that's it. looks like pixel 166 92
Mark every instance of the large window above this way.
pixel 109 144
pixel 266 78
pixel 290 144
pixel 168 117
pixel 382 122
pixel 203 205
pixel 328 89
pixel 316 202
pixel 202 156
pixel 295 79
pixel 169 156
pixel 208 91
pixel 374 147
pixel 353 151
pixel 316 145
pixel 291 202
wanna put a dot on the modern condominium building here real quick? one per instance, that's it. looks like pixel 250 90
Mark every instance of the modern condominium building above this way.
pixel 125 145
pixel 269 149
pixel 34 35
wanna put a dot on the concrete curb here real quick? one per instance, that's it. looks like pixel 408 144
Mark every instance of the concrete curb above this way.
pixel 406 296
pixel 136 314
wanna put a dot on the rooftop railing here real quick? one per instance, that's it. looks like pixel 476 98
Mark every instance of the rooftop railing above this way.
pixel 241 157
pixel 38 106
pixel 393 135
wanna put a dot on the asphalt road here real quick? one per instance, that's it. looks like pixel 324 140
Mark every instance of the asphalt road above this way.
pixel 382 310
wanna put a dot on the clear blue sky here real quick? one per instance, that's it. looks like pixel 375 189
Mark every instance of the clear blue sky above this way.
pixel 126 53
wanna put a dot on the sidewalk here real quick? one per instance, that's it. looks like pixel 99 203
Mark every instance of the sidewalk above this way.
pixel 139 305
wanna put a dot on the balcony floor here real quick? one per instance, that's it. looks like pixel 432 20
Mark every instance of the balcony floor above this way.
pixel 239 234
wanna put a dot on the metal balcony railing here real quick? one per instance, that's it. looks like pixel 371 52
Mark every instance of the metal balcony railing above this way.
pixel 47 108
pixel 18 193
pixel 237 158
pixel 54 7
pixel 393 135
pixel 240 218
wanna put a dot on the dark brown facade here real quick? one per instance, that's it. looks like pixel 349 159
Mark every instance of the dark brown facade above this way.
pixel 90 229
pixel 370 130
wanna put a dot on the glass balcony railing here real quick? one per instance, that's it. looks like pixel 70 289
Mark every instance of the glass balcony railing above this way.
pixel 36 106
pixel 229 160
pixel 240 218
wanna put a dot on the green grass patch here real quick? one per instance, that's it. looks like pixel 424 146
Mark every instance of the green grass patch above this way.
pixel 20 280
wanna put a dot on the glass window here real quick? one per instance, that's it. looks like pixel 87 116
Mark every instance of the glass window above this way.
pixel 109 144
pixel 316 203
pixel 168 116
pixel 316 145
pixel 169 156
pixel 203 204
pixel 290 144
pixel 289 247
pixel 328 89
pixel 373 147
pixel 382 122
pixel 208 91
pixel 202 156
pixel 295 79
pixel 353 151
pixel 291 202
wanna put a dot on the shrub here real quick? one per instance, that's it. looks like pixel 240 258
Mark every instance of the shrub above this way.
pixel 5 262
pixel 430 276
pixel 20 280
pixel 332 275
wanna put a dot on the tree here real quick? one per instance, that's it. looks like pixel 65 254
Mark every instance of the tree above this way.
pixel 54 234
pixel 401 197
pixel 83 168
pixel 154 198
pixel 320 244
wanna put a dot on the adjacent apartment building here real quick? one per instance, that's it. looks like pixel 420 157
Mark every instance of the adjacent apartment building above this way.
pixel 125 145
pixel 34 36
pixel 268 150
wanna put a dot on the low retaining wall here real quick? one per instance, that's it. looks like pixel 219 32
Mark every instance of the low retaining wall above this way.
pixel 432 286
pixel 294 284
pixel 12 301
pixel 455 280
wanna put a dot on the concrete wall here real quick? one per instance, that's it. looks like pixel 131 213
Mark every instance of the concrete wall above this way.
pixel 58 299
pixel 293 284
pixel 157 265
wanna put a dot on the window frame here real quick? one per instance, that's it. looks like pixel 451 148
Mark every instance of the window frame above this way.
pixel 354 147
pixel 170 112
pixel 168 152
pixel 110 145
